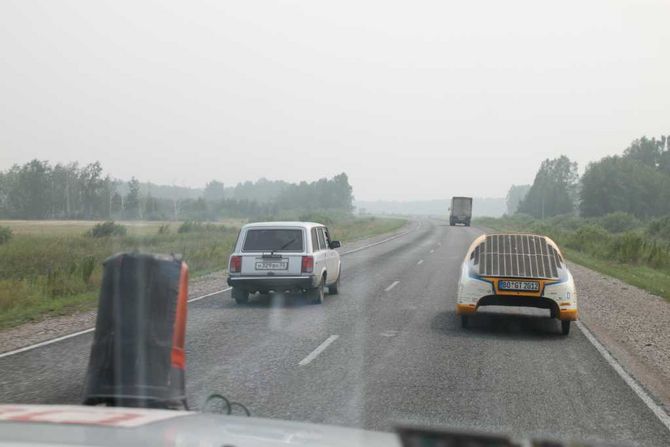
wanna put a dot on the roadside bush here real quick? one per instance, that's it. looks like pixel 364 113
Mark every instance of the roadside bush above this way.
pixel 318 218
pixel 590 238
pixel 629 247
pixel 164 229
pixel 567 222
pixel 659 228
pixel 107 229
pixel 87 267
pixel 5 234
pixel 618 222
pixel 190 226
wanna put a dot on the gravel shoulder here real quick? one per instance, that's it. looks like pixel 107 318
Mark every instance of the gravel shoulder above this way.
pixel 632 324
pixel 58 326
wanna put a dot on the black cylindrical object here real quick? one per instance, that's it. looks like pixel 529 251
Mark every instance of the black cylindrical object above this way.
pixel 137 357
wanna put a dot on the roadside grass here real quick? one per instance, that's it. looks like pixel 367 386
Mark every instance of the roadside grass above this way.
pixel 631 257
pixel 78 227
pixel 364 227
pixel 51 268
pixel 643 277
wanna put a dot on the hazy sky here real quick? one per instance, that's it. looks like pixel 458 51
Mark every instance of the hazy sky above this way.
pixel 414 99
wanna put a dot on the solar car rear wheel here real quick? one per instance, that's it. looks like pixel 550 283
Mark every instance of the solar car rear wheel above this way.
pixel 240 296
pixel 565 327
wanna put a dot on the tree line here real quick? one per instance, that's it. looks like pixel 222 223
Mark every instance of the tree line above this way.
pixel 41 190
pixel 636 182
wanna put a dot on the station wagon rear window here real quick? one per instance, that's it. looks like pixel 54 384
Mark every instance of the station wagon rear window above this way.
pixel 273 239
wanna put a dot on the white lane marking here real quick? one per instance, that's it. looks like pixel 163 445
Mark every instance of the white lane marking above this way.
pixel 393 284
pixel 376 243
pixel 198 298
pixel 641 393
pixel 86 331
pixel 314 354
pixel 432 251
pixel 45 343
pixel 91 329
pixel 389 333
pixel 420 262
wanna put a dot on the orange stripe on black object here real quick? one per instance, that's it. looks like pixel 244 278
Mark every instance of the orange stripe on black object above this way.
pixel 178 336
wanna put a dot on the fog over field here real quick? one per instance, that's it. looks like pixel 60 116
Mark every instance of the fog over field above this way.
pixel 413 100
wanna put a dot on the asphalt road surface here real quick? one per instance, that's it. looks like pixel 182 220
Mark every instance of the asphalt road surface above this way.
pixel 389 348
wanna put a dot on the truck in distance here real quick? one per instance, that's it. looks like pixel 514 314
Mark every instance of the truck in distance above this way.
pixel 460 211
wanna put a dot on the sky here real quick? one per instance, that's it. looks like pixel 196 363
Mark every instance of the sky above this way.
pixel 413 100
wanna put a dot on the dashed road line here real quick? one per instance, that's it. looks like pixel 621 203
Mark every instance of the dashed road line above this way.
pixel 344 253
pixel 47 342
pixel 393 284
pixel 208 295
pixel 420 262
pixel 314 354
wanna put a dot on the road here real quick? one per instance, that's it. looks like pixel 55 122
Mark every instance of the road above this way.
pixel 388 349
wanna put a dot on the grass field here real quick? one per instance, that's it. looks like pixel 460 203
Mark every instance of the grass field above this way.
pixel 53 267
pixel 78 227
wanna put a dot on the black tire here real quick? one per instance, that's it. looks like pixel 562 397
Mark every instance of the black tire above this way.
pixel 565 327
pixel 240 296
pixel 334 288
pixel 316 294
pixel 465 321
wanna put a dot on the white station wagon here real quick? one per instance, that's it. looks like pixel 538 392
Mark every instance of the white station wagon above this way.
pixel 284 256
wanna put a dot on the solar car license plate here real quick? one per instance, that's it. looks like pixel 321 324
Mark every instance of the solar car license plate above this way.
pixel 272 265
pixel 519 286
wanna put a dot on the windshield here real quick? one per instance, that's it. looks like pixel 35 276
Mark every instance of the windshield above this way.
pixel 273 240
pixel 367 214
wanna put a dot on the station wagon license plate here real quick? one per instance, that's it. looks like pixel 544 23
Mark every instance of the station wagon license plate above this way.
pixel 272 265
pixel 519 286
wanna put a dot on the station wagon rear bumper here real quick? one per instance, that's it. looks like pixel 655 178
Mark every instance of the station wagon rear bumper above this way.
pixel 276 283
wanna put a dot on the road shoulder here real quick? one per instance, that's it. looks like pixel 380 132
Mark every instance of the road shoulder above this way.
pixel 633 324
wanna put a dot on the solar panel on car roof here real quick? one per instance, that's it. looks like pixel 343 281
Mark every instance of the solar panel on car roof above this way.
pixel 517 255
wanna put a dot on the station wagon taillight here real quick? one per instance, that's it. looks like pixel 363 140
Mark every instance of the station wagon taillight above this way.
pixel 307 264
pixel 235 264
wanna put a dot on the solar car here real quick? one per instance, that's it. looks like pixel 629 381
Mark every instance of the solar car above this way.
pixel 525 270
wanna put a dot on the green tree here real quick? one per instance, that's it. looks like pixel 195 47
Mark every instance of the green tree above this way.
pixel 647 151
pixel 29 190
pixel 151 208
pixel 131 203
pixel 92 191
pixel 116 205
pixel 625 184
pixel 514 196
pixel 554 190
pixel 213 191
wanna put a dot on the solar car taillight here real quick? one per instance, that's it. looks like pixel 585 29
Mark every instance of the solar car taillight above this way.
pixel 235 264
pixel 307 264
